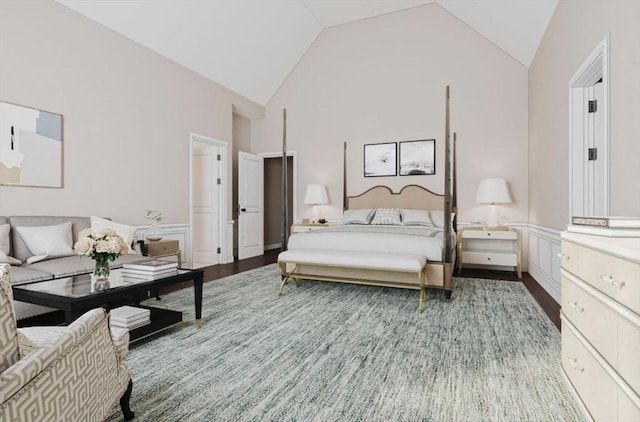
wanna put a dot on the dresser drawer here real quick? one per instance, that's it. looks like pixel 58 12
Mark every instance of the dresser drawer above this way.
pixel 597 389
pixel 570 254
pixel 490 234
pixel 629 353
pixel 491 258
pixel 615 277
pixel 595 320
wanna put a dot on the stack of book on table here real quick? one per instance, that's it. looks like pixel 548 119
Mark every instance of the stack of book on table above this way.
pixel 606 226
pixel 148 269
pixel 129 317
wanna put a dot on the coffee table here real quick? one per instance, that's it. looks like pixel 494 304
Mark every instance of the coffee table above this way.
pixel 77 294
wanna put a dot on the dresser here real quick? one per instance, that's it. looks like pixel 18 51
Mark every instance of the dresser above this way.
pixel 601 324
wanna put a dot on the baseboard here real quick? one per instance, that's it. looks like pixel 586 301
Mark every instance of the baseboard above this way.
pixel 272 246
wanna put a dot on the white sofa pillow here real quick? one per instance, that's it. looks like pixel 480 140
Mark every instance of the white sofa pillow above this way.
pixel 125 231
pixel 47 242
pixel 358 216
pixel 387 216
pixel 411 217
pixel 5 246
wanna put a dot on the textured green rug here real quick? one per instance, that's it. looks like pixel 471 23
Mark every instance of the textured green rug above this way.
pixel 339 352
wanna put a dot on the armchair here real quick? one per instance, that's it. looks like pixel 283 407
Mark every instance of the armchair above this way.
pixel 74 373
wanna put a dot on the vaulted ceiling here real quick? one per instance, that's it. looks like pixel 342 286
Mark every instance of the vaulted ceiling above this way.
pixel 250 46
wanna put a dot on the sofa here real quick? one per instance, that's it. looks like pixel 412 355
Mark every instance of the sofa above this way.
pixel 74 373
pixel 16 252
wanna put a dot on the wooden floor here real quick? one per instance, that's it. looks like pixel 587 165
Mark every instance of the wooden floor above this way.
pixel 546 302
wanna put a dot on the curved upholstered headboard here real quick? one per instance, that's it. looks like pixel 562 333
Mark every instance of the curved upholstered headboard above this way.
pixel 410 196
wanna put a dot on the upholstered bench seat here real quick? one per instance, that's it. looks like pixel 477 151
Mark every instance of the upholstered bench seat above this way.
pixel 353 259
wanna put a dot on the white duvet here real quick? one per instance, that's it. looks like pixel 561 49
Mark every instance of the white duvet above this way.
pixel 422 240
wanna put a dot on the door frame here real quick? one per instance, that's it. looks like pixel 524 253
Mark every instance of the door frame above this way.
pixel 595 67
pixel 294 159
pixel 222 194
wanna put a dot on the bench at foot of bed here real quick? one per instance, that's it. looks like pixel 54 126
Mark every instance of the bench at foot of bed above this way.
pixel 371 268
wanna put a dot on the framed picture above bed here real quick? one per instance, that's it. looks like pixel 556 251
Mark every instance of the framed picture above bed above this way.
pixel 418 157
pixel 380 159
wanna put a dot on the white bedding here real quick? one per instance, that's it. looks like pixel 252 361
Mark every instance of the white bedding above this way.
pixel 427 241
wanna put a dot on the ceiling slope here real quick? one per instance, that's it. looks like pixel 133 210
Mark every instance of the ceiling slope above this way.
pixel 250 46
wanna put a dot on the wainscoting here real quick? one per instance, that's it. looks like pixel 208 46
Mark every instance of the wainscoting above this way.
pixel 544 264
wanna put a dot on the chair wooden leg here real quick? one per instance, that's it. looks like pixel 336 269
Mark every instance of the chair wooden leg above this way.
pixel 124 403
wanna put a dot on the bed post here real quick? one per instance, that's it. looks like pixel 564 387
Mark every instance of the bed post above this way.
pixel 345 204
pixel 448 205
pixel 454 199
pixel 285 200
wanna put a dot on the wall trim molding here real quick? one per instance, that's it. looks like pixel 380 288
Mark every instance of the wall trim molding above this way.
pixel 543 263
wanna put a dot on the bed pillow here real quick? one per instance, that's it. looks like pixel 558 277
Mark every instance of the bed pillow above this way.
pixel 437 217
pixel 47 242
pixel 411 217
pixel 358 216
pixel 387 216
pixel 125 231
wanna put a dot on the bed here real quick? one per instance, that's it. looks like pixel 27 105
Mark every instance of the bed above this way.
pixel 402 239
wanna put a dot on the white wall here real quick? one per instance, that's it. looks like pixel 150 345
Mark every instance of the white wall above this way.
pixel 382 80
pixel 127 114
pixel 573 33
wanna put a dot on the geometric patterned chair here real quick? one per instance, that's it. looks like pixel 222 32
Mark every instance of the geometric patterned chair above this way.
pixel 73 373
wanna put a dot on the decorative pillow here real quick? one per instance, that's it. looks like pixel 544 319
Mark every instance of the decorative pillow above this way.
pixel 387 216
pixel 5 245
pixel 47 242
pixel 6 259
pixel 123 230
pixel 358 216
pixel 412 217
pixel 437 217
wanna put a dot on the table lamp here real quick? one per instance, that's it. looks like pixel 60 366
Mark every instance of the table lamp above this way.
pixel 316 195
pixel 493 191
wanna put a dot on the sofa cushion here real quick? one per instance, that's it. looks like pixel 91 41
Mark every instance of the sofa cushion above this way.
pixel 65 266
pixel 26 274
pixel 9 351
pixel 21 251
pixel 47 242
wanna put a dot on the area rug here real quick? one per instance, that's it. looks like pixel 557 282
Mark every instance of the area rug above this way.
pixel 339 352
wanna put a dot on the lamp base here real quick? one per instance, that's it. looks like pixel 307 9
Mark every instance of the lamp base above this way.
pixel 492 218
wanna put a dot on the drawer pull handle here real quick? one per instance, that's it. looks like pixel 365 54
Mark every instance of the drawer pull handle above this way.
pixel 575 306
pixel 609 279
pixel 562 256
pixel 574 364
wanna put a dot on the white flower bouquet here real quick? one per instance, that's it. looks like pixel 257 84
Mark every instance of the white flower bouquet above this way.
pixel 102 246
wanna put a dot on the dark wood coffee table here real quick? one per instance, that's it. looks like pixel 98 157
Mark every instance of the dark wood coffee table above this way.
pixel 77 294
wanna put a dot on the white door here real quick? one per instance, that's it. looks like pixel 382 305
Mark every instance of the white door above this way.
pixel 250 205
pixel 206 203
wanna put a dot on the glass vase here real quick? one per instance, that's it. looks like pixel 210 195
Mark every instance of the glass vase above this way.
pixel 101 271
pixel 153 233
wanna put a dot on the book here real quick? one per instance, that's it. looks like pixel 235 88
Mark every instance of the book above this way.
pixel 608 222
pixel 150 265
pixel 130 326
pixel 603 231
pixel 136 277
pixel 129 313
pixel 131 271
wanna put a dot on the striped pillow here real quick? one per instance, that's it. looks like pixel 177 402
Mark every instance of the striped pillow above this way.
pixel 387 216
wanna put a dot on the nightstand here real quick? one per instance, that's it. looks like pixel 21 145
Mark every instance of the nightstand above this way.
pixel 307 227
pixel 496 246
pixel 162 248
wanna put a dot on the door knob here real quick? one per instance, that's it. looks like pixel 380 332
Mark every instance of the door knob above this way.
pixel 243 209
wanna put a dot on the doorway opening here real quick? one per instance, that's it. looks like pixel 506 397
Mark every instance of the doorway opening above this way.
pixel 207 200
pixel 589 135
pixel 273 200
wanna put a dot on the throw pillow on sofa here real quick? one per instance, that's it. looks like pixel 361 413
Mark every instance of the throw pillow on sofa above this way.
pixel 47 242
pixel 5 246
pixel 123 230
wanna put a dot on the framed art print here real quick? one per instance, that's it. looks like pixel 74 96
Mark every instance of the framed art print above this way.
pixel 418 157
pixel 380 159
pixel 30 147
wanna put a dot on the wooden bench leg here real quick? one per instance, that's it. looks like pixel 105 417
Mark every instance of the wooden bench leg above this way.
pixel 423 292
pixel 286 276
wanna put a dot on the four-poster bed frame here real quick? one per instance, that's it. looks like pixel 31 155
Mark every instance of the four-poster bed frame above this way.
pixel 410 271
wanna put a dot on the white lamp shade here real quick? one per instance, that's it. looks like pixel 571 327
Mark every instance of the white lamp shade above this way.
pixel 493 191
pixel 316 195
